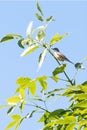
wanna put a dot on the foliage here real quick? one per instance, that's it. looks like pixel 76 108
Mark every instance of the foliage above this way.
pixel 75 117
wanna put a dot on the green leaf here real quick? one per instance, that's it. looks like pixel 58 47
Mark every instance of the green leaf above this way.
pixel 41 58
pixel 22 93
pixel 41 78
pixel 4 106
pixel 15 35
pixel 38 17
pixel 49 18
pixel 10 37
pixel 10 125
pixel 23 81
pixel 29 50
pixel 82 123
pixel 82 104
pixel 71 126
pixel 20 43
pixel 39 8
pixel 16 117
pixel 55 78
pixel 41 35
pixel 42 81
pixel 56 114
pixel 79 96
pixel 11 109
pixel 57 38
pixel 43 84
pixel 13 100
pixel 32 87
pixel 29 115
pixel 6 38
pixel 59 69
pixel 44 117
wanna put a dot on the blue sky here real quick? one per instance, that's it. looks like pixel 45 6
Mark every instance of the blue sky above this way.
pixel 15 16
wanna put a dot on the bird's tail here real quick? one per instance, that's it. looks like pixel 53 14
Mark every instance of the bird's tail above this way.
pixel 70 61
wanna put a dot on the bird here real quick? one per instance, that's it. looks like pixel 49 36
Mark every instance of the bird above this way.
pixel 59 56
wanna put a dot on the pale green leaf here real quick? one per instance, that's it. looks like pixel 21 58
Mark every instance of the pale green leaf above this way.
pixel 59 69
pixel 42 58
pixel 57 37
pixel 40 35
pixel 39 8
pixel 29 50
pixel 4 106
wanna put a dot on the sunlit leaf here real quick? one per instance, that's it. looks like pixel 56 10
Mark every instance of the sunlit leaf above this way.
pixel 10 125
pixel 82 123
pixel 23 81
pixel 56 38
pixel 43 84
pixel 41 58
pixel 56 114
pixel 22 93
pixel 29 29
pixel 59 69
pixel 13 100
pixel 82 104
pixel 55 78
pixel 16 117
pixel 29 50
pixel 42 81
pixel 32 87
pixel 79 96
pixel 38 17
pixel 71 126
pixel 4 106
pixel 39 8
pixel 44 117
pixel 41 78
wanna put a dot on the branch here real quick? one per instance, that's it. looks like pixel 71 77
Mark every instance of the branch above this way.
pixel 69 80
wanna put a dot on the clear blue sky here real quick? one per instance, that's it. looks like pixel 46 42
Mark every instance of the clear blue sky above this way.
pixel 70 16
